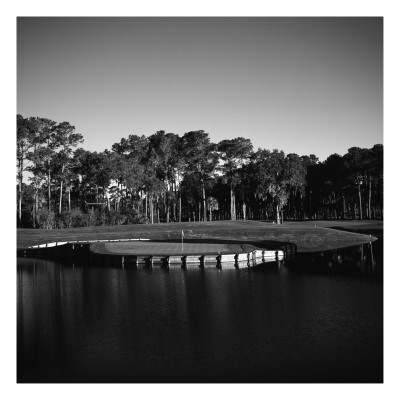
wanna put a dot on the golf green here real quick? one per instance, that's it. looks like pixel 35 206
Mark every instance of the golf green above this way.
pixel 168 248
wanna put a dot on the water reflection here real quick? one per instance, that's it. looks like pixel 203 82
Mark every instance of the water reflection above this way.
pixel 302 321
pixel 365 258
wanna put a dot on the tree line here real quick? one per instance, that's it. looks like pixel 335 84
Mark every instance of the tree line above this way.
pixel 170 178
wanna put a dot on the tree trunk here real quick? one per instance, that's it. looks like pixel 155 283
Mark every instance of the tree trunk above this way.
pixel 20 197
pixel 204 200
pixel 199 211
pixel 167 205
pixel 180 208
pixel 173 205
pixel 343 205
pixel 369 196
pixel 151 209
pixel 233 208
pixel 20 173
pixel 48 189
pixel 60 204
pixel 359 199
pixel 277 214
pixel 35 206
pixel 61 190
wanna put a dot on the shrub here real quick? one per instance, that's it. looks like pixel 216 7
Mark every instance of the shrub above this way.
pixel 132 217
pixel 103 217
pixel 126 217
pixel 141 219
pixel 74 218
pixel 46 219
pixel 117 218
pixel 98 217
pixel 26 218
pixel 92 216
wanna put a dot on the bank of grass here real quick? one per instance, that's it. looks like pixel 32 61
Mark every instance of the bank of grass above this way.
pixel 308 236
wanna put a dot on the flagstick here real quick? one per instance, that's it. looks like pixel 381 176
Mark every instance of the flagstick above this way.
pixel 182 241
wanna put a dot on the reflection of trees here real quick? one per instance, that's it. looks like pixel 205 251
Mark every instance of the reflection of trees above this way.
pixel 364 258
pixel 372 257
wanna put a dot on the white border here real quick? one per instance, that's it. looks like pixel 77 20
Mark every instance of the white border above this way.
pixel 207 8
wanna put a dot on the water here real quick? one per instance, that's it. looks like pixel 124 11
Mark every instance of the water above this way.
pixel 317 319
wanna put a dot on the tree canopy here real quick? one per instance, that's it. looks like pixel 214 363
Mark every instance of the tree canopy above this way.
pixel 165 177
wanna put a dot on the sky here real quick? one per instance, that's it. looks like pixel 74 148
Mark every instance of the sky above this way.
pixel 302 85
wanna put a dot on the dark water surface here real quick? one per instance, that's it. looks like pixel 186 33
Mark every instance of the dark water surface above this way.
pixel 316 319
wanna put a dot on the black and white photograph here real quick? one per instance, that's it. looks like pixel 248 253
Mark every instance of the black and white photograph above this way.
pixel 199 199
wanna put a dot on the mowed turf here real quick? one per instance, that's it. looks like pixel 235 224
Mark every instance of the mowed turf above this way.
pixel 168 248
pixel 308 236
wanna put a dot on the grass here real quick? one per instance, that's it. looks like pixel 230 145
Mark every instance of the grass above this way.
pixel 308 235
pixel 170 248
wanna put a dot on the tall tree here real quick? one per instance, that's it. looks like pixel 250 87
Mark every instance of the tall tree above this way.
pixel 96 172
pixel 134 149
pixel 134 145
pixel 335 178
pixel 357 162
pixel 212 204
pixel 234 153
pixel 376 177
pixel 276 176
pixel 201 159
pixel 47 145
pixel 37 166
pixel 24 142
pixel 311 164
pixel 296 180
pixel 162 155
pixel 66 139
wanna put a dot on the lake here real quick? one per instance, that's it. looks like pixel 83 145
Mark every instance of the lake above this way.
pixel 318 318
